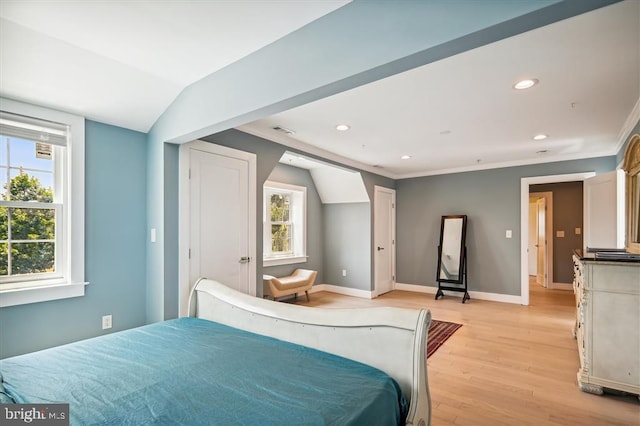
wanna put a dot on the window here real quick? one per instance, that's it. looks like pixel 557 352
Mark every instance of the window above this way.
pixel 284 224
pixel 41 208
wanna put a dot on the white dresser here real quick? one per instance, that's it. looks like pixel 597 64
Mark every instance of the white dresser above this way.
pixel 607 324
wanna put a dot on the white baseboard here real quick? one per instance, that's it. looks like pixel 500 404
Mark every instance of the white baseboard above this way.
pixel 364 294
pixel 480 295
pixel 562 286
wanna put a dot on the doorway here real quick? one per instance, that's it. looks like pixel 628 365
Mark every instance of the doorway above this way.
pixel 217 218
pixel 524 222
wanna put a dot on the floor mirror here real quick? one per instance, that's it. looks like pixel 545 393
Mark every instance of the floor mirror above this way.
pixel 452 256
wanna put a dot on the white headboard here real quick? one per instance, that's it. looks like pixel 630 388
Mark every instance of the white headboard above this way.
pixel 390 339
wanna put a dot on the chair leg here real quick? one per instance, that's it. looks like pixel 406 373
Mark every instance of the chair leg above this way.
pixel 307 293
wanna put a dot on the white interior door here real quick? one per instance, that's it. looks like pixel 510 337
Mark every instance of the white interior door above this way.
pixel 533 237
pixel 604 210
pixel 541 242
pixel 384 238
pixel 220 240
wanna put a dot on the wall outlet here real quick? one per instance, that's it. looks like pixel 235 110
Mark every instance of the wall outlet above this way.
pixel 344 272
pixel 559 234
pixel 106 322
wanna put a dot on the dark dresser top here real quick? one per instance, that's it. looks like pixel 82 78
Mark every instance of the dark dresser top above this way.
pixel 607 255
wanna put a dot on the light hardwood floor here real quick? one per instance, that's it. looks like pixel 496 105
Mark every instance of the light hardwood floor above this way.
pixel 508 364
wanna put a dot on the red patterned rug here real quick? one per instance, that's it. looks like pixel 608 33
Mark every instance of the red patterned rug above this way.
pixel 439 332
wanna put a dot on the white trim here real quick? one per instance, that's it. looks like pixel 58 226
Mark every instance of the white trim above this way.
pixel 514 163
pixel 184 209
pixel 298 196
pixel 479 295
pixel 355 292
pixel 524 221
pixel 561 286
pixel 629 124
pixel 276 261
pixel 74 176
pixel 23 296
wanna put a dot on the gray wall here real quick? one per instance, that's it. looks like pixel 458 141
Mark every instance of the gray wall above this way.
pixel 115 223
pixel 491 199
pixel 567 216
pixel 301 177
pixel 347 245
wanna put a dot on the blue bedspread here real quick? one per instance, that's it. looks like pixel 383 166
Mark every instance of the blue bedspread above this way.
pixel 192 371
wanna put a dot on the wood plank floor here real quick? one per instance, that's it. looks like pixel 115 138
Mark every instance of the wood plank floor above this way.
pixel 508 364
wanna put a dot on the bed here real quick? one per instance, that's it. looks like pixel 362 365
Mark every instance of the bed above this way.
pixel 238 360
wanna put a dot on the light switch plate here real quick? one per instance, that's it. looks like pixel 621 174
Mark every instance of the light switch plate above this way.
pixel 508 234
pixel 560 234
pixel 578 231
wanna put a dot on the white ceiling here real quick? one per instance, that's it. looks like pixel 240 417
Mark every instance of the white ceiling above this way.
pixel 461 113
pixel 124 62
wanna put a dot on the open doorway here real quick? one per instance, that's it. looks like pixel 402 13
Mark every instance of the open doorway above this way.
pixel 525 185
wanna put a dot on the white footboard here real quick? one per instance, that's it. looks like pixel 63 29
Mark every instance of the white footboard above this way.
pixel 390 339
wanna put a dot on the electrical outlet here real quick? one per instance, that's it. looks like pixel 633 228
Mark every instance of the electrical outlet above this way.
pixel 106 322
pixel 344 272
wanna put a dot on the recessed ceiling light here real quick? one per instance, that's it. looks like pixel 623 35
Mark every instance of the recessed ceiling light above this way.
pixel 540 137
pixel 405 157
pixel 342 127
pixel 525 84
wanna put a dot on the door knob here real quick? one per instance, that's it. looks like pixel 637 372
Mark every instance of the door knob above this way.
pixel 244 259
pixel 380 248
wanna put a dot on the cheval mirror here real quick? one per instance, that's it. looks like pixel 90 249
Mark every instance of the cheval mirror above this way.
pixel 452 256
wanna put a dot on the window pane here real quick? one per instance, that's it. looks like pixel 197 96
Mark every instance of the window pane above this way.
pixel 31 186
pixel 3 151
pixel 280 238
pixel 30 258
pixel 280 205
pixel 33 224
pixel 4 259
pixel 3 223
pixel 22 153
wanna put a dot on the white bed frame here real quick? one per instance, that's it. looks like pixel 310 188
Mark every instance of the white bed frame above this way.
pixel 391 339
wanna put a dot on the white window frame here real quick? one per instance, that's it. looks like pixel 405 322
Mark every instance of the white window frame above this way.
pixel 298 218
pixel 71 281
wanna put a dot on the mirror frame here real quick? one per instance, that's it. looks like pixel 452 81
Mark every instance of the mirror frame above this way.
pixel 463 238
pixel 631 167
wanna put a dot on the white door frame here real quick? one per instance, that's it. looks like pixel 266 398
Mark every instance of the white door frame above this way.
pixel 184 209
pixel 392 192
pixel 524 222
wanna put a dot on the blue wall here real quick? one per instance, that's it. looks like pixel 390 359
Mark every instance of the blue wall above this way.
pixel 115 223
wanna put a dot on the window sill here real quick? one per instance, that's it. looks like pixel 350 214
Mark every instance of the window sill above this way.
pixel 42 293
pixel 283 260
